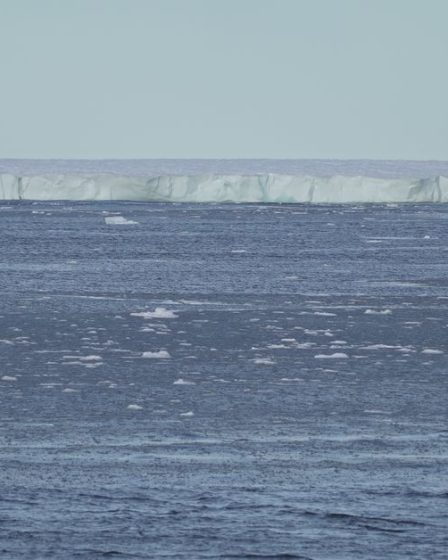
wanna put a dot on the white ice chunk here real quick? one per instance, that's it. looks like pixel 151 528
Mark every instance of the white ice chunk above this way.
pixel 381 347
pixel 181 381
pixel 161 354
pixel 264 361
pixel 158 313
pixel 335 356
pixel 324 314
pixel 118 221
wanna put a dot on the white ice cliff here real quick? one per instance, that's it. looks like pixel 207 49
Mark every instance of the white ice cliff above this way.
pixel 270 188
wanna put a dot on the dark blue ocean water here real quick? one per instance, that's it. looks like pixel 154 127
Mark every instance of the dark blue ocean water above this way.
pixel 294 406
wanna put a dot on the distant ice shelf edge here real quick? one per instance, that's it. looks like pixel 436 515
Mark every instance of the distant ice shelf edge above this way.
pixel 267 188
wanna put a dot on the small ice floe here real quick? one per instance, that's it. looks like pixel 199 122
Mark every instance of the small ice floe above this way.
pixel 118 221
pixel 9 378
pixel 181 381
pixel 335 356
pixel 381 347
pixel 91 361
pixel 378 312
pixel 158 313
pixel 264 361
pixel 188 414
pixel 134 407
pixel 159 355
pixel 426 237
pixel 69 390
pixel 91 358
pixel 431 351
pixel 324 314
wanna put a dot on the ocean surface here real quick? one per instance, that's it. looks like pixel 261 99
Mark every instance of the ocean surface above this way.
pixel 203 381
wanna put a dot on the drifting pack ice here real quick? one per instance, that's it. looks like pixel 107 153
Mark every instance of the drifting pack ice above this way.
pixel 263 188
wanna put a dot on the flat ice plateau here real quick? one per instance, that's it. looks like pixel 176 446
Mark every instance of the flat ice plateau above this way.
pixel 288 183
pixel 223 381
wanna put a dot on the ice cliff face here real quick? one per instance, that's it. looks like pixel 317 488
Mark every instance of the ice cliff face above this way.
pixel 267 188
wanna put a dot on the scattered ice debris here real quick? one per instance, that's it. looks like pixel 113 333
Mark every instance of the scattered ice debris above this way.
pixel 9 378
pixel 160 354
pixel 431 351
pixel 118 221
pixel 135 407
pixel 188 414
pixel 335 356
pixel 158 313
pixel 181 381
pixel 378 312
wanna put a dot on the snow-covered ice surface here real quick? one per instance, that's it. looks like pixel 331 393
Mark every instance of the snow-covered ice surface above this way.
pixel 302 410
pixel 218 181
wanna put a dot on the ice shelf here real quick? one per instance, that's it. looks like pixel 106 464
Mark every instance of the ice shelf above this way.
pixel 263 188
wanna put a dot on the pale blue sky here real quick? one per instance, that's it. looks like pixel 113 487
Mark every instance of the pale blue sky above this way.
pixel 224 78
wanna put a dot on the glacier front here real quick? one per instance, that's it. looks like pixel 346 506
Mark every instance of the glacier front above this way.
pixel 256 188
